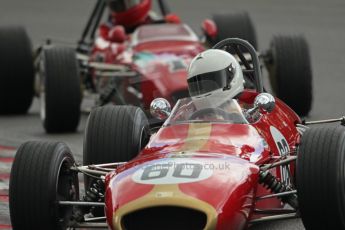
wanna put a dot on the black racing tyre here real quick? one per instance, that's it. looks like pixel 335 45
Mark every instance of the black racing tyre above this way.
pixel 17 71
pixel 40 177
pixel 320 176
pixel 60 90
pixel 237 25
pixel 290 72
pixel 114 134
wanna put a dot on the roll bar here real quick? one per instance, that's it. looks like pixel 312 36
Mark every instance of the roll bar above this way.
pixel 237 44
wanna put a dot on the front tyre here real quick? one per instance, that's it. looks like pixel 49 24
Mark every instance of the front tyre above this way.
pixel 115 134
pixel 40 177
pixel 60 90
pixel 320 176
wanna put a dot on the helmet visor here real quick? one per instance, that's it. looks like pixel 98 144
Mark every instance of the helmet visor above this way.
pixel 208 82
pixel 122 5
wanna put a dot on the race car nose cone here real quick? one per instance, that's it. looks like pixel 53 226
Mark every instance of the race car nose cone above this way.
pixel 185 184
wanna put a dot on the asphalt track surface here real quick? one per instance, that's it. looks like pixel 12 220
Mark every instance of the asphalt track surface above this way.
pixel 321 22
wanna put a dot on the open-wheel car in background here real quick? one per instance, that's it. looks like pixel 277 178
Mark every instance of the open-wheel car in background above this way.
pixel 129 54
pixel 228 157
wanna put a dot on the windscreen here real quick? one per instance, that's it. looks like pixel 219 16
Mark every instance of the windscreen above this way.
pixel 187 111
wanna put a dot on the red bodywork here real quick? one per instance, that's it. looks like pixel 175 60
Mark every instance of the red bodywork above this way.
pixel 160 53
pixel 226 187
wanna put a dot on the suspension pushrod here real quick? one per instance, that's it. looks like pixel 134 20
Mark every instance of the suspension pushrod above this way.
pixel 109 164
pixel 341 119
pixel 92 219
pixel 274 211
pixel 89 225
pixel 277 195
pixel 101 169
pixel 274 217
pixel 282 162
pixel 85 169
pixel 81 203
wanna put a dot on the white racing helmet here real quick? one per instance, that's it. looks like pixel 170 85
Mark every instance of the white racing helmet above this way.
pixel 214 77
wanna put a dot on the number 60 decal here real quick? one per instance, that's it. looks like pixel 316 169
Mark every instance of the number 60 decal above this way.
pixel 170 171
pixel 283 149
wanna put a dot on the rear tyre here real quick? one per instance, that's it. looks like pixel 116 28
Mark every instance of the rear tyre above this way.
pixel 320 176
pixel 17 71
pixel 60 90
pixel 237 25
pixel 290 72
pixel 40 177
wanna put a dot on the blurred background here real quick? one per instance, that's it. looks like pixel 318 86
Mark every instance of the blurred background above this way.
pixel 321 22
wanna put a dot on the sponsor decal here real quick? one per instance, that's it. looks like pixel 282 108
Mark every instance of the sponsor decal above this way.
pixel 172 171
pixel 284 150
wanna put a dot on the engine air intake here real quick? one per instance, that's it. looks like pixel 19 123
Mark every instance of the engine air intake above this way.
pixel 165 217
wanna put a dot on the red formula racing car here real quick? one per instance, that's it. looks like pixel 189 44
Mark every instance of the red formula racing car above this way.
pixel 118 62
pixel 188 173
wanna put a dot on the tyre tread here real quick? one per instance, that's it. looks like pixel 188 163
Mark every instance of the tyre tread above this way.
pixel 63 90
pixel 320 169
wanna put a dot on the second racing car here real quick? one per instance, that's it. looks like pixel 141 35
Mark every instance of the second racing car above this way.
pixel 132 57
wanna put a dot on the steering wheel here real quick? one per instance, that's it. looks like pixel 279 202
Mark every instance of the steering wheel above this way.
pixel 217 111
pixel 238 46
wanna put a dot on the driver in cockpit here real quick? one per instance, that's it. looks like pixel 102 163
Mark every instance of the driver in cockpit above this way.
pixel 215 80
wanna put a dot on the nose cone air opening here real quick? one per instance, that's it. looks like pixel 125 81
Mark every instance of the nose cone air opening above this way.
pixel 165 217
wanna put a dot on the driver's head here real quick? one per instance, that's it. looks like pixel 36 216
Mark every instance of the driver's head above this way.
pixel 214 77
pixel 129 13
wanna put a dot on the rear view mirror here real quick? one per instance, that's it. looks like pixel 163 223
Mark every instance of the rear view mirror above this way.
pixel 265 102
pixel 160 108
pixel 209 28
